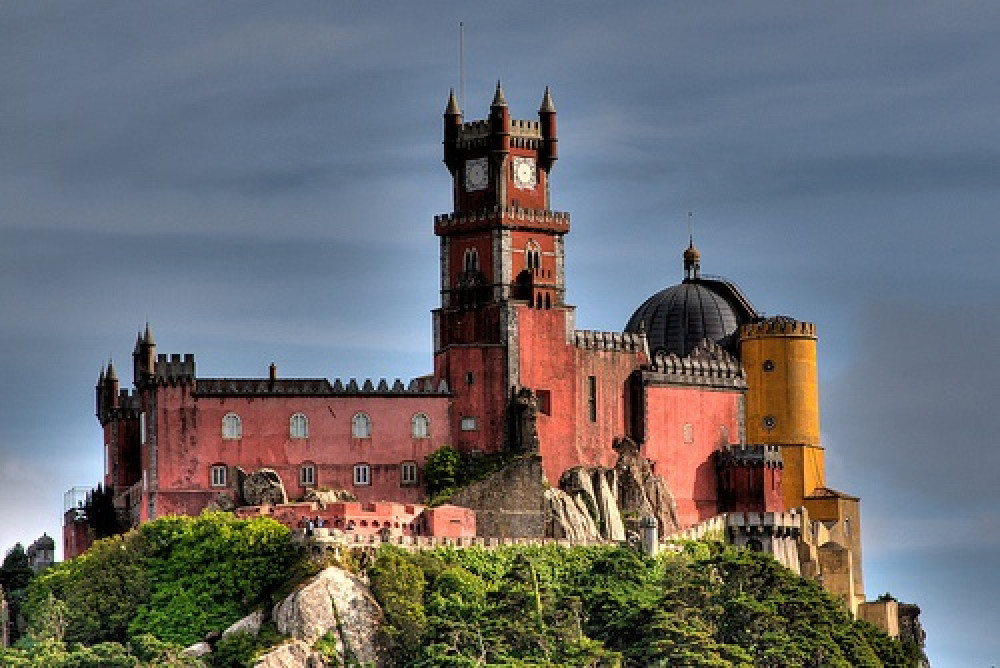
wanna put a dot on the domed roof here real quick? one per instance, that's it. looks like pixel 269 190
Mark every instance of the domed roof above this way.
pixel 682 316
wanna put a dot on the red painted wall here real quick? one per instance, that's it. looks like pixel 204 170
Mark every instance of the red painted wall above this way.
pixel 547 362
pixel 689 467
pixel 190 442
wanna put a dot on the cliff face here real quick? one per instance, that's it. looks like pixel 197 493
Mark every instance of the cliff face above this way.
pixel 591 503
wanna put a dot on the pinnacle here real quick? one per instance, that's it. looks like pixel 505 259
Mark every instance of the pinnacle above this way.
pixel 498 98
pixel 452 108
pixel 148 335
pixel 547 105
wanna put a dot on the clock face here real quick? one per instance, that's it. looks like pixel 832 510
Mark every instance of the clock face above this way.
pixel 524 172
pixel 477 174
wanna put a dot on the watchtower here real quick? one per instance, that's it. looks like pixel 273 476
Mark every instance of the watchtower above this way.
pixel 501 250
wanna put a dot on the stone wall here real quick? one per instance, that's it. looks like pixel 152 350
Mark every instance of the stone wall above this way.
pixel 509 503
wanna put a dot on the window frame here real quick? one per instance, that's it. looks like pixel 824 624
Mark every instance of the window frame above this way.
pixel 310 480
pixel 232 426
pixel 362 476
pixel 357 420
pixel 420 418
pixel 409 475
pixel 469 423
pixel 218 476
pixel 298 426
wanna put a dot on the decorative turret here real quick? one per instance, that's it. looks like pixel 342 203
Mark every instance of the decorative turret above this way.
pixel 549 151
pixel 107 393
pixel 452 125
pixel 499 124
pixel 143 357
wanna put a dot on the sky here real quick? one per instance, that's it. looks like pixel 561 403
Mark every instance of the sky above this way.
pixel 258 181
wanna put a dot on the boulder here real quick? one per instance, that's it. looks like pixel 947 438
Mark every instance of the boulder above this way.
pixel 249 624
pixel 197 650
pixel 641 492
pixel 606 500
pixel 328 496
pixel 264 487
pixel 337 602
pixel 292 654
pixel 568 517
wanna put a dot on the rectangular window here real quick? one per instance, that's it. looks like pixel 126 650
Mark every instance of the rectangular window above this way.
pixel 592 398
pixel 218 476
pixel 408 473
pixel 544 402
pixel 307 475
pixel 468 423
pixel 142 428
pixel 362 474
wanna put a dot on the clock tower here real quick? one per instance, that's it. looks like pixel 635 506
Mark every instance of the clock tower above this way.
pixel 501 252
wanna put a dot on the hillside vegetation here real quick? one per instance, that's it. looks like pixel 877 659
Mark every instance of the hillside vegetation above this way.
pixel 137 599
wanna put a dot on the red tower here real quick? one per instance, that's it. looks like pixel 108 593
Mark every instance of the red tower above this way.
pixel 501 251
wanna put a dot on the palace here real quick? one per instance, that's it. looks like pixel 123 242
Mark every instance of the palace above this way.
pixel 700 406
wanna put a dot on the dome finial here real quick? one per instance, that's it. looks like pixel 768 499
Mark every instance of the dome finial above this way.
pixel 692 258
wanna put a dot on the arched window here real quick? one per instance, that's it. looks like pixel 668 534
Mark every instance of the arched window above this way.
pixel 232 426
pixel 298 426
pixel 361 426
pixel 420 426
pixel 533 255
pixel 471 262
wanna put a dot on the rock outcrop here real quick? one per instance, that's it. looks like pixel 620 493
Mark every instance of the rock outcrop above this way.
pixel 294 654
pixel 249 624
pixel 335 602
pixel 597 499
pixel 262 487
pixel 327 496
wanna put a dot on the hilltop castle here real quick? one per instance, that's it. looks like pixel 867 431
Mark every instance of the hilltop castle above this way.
pixel 715 406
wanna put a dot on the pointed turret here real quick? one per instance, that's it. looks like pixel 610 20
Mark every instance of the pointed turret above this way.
pixel 452 126
pixel 144 357
pixel 547 105
pixel 548 153
pixel 498 98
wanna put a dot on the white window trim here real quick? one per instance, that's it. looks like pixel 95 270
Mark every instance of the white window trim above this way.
pixel 298 426
pixel 425 425
pixel 470 423
pixel 220 475
pixel 232 427
pixel 408 473
pixel 309 468
pixel 362 475
pixel 357 420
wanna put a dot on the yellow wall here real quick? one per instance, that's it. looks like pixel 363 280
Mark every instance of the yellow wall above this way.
pixel 782 400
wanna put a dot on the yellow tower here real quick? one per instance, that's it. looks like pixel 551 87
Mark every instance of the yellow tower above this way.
pixel 782 400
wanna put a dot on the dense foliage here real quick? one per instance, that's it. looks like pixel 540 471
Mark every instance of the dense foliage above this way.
pixel 611 606
pixel 100 513
pixel 176 578
pixel 15 575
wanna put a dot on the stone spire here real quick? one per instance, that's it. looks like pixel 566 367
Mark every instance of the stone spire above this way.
pixel 498 98
pixel 547 105
pixel 452 109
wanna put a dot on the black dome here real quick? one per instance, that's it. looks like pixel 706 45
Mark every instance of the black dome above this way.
pixel 682 316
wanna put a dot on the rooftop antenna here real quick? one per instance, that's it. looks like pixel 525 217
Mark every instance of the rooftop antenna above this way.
pixel 461 64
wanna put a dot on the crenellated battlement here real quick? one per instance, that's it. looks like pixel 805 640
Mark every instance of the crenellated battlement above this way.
pixel 785 524
pixel 778 326
pixel 750 455
pixel 708 364
pixel 475 134
pixel 612 341
pixel 174 370
pixel 510 217
pixel 318 387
